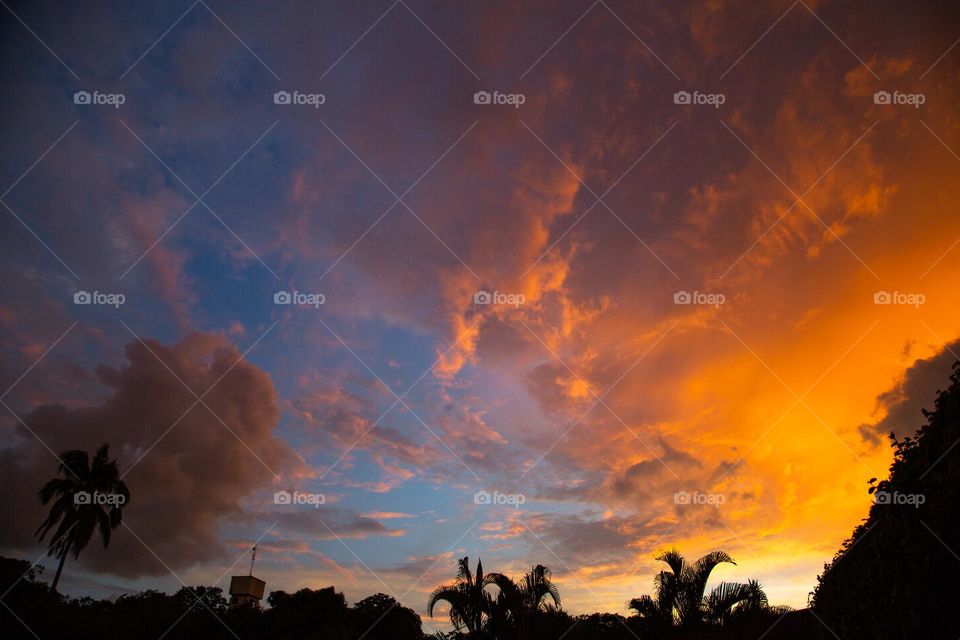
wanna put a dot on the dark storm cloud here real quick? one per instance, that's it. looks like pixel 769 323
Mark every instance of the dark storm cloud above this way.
pixel 903 403
pixel 185 482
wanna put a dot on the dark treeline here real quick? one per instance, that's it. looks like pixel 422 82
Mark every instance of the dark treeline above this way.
pixel 196 612
pixel 323 614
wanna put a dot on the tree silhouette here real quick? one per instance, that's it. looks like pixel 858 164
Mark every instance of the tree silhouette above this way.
pixel 301 614
pixel 77 503
pixel 380 617
pixel 515 609
pixel 467 599
pixel 680 594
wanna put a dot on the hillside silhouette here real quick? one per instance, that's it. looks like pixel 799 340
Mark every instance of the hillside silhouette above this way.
pixel 896 576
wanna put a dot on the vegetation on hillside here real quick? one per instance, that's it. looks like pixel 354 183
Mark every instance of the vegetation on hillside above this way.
pixel 896 576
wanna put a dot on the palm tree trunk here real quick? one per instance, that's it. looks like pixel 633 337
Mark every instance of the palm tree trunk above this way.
pixel 63 558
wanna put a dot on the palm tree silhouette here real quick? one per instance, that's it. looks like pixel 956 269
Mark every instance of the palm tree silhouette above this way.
pixel 81 495
pixel 468 601
pixel 680 594
pixel 518 602
pixel 735 599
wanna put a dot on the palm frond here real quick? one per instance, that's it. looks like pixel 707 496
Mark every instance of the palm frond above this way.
pixel 56 487
pixel 721 601
pixel 646 607
pixel 674 559
pixel 448 593
pixel 502 582
pixel 700 572
pixel 63 505
pixel 463 569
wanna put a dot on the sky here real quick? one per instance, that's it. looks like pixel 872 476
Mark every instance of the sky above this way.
pixel 559 283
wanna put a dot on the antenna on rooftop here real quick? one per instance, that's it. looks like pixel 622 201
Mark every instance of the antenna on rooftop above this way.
pixel 252 558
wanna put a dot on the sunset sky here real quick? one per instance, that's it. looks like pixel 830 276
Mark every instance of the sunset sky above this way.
pixel 787 202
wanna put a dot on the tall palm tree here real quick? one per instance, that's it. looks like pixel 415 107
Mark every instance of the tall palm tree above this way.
pixel 79 501
pixel 680 594
pixel 466 596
